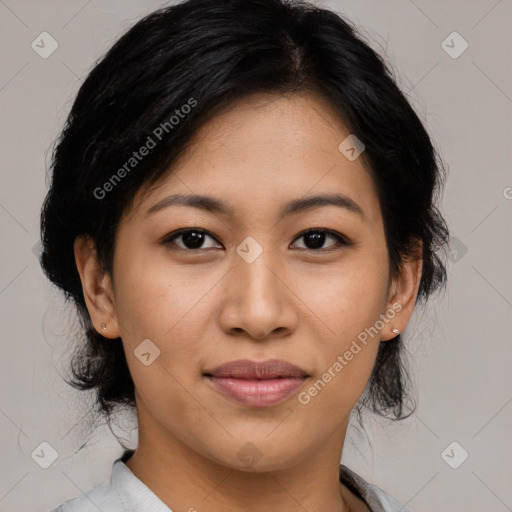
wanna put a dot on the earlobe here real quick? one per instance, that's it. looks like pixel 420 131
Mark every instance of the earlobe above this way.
pixel 96 287
pixel 404 291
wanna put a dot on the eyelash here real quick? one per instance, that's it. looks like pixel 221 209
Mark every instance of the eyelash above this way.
pixel 342 240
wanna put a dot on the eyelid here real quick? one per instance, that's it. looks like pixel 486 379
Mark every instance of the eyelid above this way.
pixel 168 239
pixel 341 239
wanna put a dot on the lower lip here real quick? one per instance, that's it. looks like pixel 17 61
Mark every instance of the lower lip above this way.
pixel 257 392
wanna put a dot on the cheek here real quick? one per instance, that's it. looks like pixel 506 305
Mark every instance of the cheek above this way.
pixel 164 307
pixel 344 299
pixel 153 297
pixel 170 305
pixel 346 304
pixel 348 311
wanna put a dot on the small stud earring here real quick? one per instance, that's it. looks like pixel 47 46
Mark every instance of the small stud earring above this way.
pixel 104 326
pixel 396 331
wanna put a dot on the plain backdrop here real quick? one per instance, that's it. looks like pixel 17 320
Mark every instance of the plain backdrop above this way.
pixel 460 346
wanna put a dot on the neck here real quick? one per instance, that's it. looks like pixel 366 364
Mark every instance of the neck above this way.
pixel 185 479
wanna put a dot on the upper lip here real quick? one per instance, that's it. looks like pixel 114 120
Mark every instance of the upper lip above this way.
pixel 247 369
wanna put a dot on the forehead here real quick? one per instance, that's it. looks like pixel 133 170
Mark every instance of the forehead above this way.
pixel 268 149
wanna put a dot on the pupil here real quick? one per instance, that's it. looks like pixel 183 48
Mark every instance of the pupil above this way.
pixel 193 239
pixel 317 238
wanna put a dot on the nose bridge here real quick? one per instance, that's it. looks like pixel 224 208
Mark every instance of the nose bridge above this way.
pixel 256 280
pixel 257 301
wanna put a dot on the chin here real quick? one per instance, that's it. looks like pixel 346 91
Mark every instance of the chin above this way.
pixel 256 457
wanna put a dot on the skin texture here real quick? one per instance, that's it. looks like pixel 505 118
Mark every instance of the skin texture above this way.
pixel 202 308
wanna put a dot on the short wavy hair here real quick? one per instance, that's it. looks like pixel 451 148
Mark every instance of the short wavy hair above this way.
pixel 218 51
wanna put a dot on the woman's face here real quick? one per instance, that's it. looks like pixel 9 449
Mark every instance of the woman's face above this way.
pixel 251 285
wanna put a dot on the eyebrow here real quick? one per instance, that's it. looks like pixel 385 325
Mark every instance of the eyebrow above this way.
pixel 215 205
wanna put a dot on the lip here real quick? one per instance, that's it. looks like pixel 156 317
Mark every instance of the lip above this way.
pixel 257 384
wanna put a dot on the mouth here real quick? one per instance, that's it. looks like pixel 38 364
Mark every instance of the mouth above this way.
pixel 257 384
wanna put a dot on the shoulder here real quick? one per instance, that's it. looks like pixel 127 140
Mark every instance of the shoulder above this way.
pixel 124 492
pixel 377 499
pixel 104 497
pixel 97 499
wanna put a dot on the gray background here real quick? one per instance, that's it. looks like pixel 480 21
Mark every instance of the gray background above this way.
pixel 460 345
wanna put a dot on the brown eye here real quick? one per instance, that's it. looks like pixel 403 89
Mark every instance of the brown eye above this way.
pixel 191 238
pixel 314 239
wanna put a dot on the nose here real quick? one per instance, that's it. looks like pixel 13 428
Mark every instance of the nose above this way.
pixel 257 300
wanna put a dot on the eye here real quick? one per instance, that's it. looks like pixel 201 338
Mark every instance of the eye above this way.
pixel 192 238
pixel 315 238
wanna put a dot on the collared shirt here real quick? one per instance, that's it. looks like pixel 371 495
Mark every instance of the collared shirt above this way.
pixel 124 492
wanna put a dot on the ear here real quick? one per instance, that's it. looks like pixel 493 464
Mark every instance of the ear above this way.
pixel 403 292
pixel 97 287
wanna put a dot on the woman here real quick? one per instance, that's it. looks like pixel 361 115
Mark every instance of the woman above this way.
pixel 243 211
